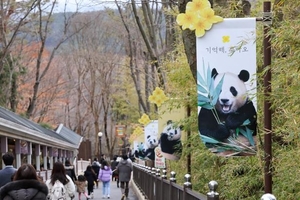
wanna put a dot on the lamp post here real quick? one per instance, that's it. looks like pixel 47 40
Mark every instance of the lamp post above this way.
pixel 100 151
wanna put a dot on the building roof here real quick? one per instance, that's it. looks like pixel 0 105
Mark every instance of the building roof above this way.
pixel 69 135
pixel 18 125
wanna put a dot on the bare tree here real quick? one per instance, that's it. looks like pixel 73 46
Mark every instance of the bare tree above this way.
pixel 14 15
pixel 153 28
pixel 95 56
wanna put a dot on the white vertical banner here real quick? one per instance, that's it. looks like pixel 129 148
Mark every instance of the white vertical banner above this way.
pixel 226 86
pixel 151 129
pixel 151 139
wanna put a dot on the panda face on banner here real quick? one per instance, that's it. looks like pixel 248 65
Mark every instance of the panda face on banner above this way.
pixel 170 141
pixel 234 93
pixel 174 133
pixel 152 141
pixel 232 120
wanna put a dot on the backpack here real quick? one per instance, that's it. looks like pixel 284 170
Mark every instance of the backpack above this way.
pixel 57 192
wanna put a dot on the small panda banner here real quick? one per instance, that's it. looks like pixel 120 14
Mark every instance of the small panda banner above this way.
pixel 151 139
pixel 226 86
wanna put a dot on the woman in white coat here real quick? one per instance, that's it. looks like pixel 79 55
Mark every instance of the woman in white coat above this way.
pixel 60 185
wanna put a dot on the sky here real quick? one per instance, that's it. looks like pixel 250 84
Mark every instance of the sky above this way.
pixel 83 5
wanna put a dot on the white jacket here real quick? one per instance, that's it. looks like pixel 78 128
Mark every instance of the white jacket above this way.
pixel 70 187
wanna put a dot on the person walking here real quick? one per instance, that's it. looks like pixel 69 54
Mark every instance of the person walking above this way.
pixel 96 167
pixel 103 157
pixel 25 184
pixel 8 171
pixel 115 174
pixel 91 177
pixel 104 176
pixel 81 184
pixel 60 185
pixel 70 171
pixel 124 168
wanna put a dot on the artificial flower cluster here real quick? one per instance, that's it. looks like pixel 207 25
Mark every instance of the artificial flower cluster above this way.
pixel 138 130
pixel 144 119
pixel 198 16
pixel 158 97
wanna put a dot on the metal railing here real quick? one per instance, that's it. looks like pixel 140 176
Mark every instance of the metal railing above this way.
pixel 155 186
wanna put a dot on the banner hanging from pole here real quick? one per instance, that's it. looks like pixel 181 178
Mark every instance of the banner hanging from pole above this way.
pixel 226 86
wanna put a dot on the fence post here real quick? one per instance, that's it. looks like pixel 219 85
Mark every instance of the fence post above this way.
pixel 173 177
pixel 172 180
pixel 187 185
pixel 268 196
pixel 213 195
pixel 164 174
pixel 158 172
pixel 153 171
pixel 149 183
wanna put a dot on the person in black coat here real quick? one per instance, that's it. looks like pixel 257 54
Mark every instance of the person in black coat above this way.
pixel 115 174
pixel 96 167
pixel 25 184
pixel 91 177
pixel 70 171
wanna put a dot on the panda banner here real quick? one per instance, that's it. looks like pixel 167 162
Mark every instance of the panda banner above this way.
pixel 151 139
pixel 226 87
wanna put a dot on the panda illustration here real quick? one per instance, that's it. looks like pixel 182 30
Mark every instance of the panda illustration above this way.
pixel 170 141
pixel 151 143
pixel 233 107
pixel 140 151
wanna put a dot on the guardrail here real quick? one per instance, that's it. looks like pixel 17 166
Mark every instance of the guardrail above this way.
pixel 155 185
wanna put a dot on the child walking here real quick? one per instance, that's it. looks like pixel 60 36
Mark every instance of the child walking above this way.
pixel 105 176
pixel 91 177
pixel 81 184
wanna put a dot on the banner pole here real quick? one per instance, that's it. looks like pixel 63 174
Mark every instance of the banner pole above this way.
pixel 267 20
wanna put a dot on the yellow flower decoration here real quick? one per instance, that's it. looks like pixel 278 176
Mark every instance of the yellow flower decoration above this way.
pixel 197 5
pixel 186 20
pixel 226 38
pixel 138 130
pixel 144 119
pixel 158 97
pixel 198 16
pixel 201 26
pixel 209 15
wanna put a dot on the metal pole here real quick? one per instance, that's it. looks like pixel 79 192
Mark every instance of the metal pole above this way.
pixel 189 157
pixel 100 152
pixel 267 20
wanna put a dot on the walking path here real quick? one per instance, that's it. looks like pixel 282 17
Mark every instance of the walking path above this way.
pixel 115 192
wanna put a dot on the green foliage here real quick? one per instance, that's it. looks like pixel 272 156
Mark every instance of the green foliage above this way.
pixel 47 126
pixel 9 76
pixel 243 177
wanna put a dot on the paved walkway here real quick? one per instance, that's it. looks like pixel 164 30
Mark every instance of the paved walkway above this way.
pixel 115 192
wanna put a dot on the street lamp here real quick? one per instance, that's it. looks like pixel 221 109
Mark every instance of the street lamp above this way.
pixel 100 152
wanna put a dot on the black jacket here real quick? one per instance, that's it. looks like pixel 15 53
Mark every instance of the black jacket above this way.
pixel 70 171
pixel 96 167
pixel 90 177
pixel 24 189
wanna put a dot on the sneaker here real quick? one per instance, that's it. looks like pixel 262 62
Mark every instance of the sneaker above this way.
pixel 108 196
pixel 92 195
